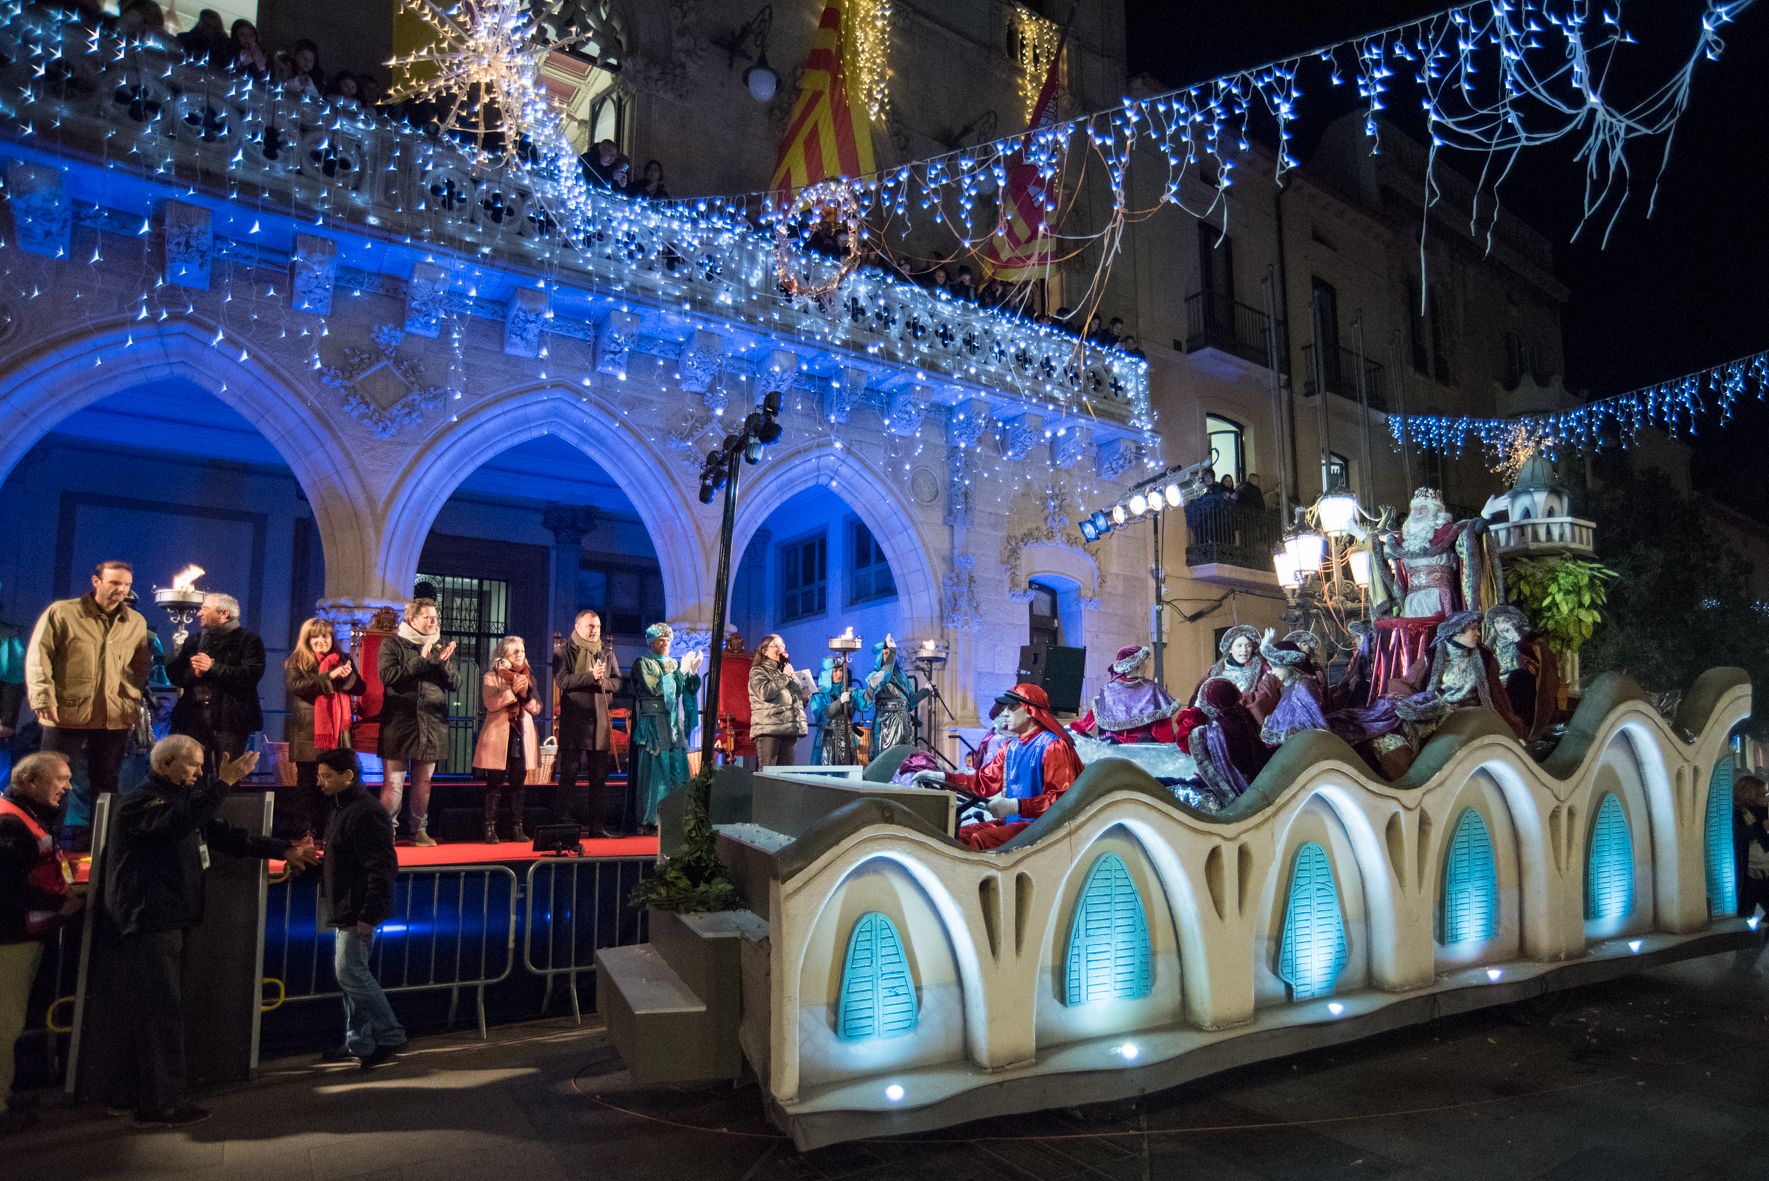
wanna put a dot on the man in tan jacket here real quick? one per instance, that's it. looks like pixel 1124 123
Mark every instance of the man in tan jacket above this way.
pixel 85 669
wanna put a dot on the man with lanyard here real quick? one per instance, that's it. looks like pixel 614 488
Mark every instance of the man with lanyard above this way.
pixel 1024 776
pixel 36 898
pixel 154 891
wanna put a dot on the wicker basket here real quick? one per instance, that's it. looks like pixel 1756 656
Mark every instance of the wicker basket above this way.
pixel 542 772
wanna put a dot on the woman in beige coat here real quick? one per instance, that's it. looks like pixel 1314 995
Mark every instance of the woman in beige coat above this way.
pixel 507 748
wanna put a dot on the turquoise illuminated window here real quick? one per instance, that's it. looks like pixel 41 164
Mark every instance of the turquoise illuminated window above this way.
pixel 1109 957
pixel 1609 878
pixel 1717 839
pixel 877 996
pixel 1313 951
pixel 1470 911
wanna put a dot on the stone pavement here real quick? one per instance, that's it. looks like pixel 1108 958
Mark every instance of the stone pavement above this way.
pixel 1658 1076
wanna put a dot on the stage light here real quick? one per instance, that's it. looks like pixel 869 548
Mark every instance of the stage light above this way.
pixel 1102 524
pixel 1156 504
pixel 1308 549
pixel 1139 504
pixel 1089 531
pixel 894 1093
pixel 1335 1008
pixel 1634 946
pixel 1119 516
pixel 1174 496
pixel 1129 1052
pixel 1493 974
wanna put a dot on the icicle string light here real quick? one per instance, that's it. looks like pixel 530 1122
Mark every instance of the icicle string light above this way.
pixel 1675 406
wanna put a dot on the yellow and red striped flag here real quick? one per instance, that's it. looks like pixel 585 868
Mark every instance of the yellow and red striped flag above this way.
pixel 828 134
pixel 1021 250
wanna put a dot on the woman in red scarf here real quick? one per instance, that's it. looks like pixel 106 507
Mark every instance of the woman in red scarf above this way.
pixel 506 748
pixel 320 680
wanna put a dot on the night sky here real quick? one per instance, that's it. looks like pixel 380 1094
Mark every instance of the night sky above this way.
pixel 1670 294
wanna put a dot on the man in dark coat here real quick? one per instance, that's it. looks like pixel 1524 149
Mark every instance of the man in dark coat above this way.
pixel 357 892
pixel 218 670
pixel 153 893
pixel 586 673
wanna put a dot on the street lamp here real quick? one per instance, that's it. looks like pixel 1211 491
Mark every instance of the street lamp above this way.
pixel 1324 569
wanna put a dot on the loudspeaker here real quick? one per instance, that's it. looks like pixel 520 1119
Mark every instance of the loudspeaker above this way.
pixel 1058 671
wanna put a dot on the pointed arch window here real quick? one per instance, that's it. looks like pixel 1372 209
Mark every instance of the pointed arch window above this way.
pixel 877 993
pixel 1109 956
pixel 1609 877
pixel 1470 910
pixel 1313 951
pixel 1717 843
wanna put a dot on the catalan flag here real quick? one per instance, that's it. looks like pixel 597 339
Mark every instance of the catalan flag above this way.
pixel 828 134
pixel 1021 250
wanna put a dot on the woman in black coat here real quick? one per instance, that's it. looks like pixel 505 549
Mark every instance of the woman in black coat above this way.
pixel 418 672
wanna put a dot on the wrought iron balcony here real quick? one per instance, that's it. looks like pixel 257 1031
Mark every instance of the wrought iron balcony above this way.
pixel 131 124
pixel 1223 533
pixel 1214 321
pixel 1341 376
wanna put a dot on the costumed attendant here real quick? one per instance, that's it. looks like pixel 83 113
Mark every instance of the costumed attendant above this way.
pixel 1310 644
pixel 1023 777
pixel 1131 707
pixel 893 699
pixel 1528 665
pixel 834 709
pixel 507 747
pixel 1299 705
pixel 1225 747
pixel 663 692
pixel 776 704
pixel 1465 674
pixel 320 681
pixel 418 672
pixel 1241 664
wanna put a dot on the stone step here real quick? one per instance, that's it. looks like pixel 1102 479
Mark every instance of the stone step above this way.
pixel 660 1026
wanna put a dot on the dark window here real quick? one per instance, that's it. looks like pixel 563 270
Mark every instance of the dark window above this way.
pixel 1415 319
pixel 1338 471
pixel 628 598
pixel 804 578
pixel 1045 626
pixel 1327 308
pixel 475 616
pixel 869 571
pixel 1216 263
pixel 1440 337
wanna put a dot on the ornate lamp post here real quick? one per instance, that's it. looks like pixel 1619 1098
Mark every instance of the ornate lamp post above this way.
pixel 1324 568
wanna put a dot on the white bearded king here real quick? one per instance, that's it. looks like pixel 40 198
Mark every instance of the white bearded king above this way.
pixel 1435 565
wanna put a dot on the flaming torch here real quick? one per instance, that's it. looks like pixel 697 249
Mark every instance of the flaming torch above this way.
pixel 181 601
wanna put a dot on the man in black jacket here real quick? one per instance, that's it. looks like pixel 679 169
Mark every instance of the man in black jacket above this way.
pixel 357 888
pixel 218 670
pixel 153 892
pixel 586 673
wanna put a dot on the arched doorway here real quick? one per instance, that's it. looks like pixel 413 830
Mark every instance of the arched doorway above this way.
pixel 163 474
pixel 533 534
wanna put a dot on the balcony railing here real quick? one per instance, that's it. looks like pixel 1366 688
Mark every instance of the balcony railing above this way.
pixel 1341 367
pixel 137 109
pixel 1214 321
pixel 1223 532
pixel 1543 535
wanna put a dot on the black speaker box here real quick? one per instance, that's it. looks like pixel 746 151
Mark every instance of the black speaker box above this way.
pixel 1058 671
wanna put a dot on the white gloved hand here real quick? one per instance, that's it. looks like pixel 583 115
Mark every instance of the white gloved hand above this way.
pixel 929 779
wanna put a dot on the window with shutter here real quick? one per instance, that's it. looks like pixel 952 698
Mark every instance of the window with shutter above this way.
pixel 1109 956
pixel 1717 842
pixel 1470 910
pixel 1609 878
pixel 877 994
pixel 1313 951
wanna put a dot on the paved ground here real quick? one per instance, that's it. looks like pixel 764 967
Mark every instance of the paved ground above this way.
pixel 1659 1076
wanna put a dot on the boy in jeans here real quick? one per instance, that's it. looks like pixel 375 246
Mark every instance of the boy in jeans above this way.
pixel 357 889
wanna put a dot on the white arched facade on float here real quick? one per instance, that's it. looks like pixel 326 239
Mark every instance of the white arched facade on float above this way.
pixel 880 505
pixel 651 479
pixel 45 385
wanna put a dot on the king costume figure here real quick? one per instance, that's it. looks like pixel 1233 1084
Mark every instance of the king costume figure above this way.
pixel 1130 707
pixel 664 692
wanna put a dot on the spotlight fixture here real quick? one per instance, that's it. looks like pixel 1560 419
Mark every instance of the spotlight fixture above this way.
pixel 1119 516
pixel 1139 504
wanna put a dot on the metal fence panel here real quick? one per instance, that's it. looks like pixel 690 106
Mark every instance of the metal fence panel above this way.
pixel 575 907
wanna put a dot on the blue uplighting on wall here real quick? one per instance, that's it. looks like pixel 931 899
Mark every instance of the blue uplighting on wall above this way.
pixel 1717 842
pixel 1609 878
pixel 1470 910
pixel 1313 951
pixel 1109 956
pixel 877 994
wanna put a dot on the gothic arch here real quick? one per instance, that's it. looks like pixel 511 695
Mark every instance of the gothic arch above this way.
pixel 68 373
pixel 663 500
pixel 883 507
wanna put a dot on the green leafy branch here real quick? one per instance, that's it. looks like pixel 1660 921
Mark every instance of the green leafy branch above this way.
pixel 1564 597
pixel 694 880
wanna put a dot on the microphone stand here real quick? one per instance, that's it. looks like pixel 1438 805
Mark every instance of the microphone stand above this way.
pixel 927 664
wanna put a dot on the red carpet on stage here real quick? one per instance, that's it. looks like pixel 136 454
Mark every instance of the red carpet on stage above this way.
pixel 478 852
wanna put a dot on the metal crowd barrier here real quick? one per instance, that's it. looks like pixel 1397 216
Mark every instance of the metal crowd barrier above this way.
pixel 575 907
pixel 453 927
